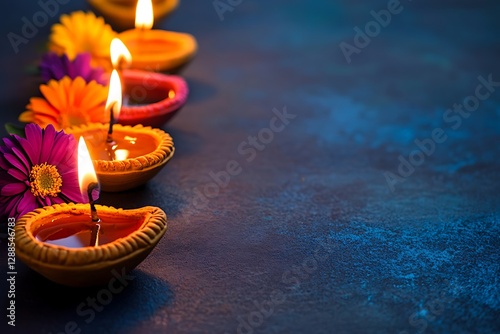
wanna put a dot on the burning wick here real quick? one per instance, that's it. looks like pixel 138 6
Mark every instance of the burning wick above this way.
pixel 94 235
pixel 109 139
pixel 113 105
pixel 93 211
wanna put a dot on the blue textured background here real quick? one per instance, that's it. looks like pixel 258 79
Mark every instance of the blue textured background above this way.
pixel 421 259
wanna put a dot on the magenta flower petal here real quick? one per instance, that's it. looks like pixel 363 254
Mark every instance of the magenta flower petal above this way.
pixel 53 155
pixel 45 201
pixel 15 162
pixel 47 142
pixel 33 133
pixel 21 156
pixel 10 204
pixel 56 67
pixel 66 162
pixel 82 62
pixel 13 189
pixel 57 73
pixel 7 142
pixel 71 175
pixel 3 164
pixel 31 151
pixel 74 194
pixel 57 200
pixel 26 204
pixel 57 154
pixel 51 67
pixel 72 189
pixel 67 69
pixel 34 137
pixel 17 174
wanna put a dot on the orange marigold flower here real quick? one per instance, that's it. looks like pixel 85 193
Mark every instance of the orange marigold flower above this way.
pixel 81 32
pixel 67 103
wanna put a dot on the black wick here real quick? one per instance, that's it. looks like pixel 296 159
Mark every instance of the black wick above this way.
pixel 110 140
pixel 94 235
pixel 111 121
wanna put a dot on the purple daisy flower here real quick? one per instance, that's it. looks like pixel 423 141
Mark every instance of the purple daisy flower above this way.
pixel 37 171
pixel 56 67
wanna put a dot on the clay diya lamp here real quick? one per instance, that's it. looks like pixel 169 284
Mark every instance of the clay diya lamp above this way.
pixel 156 50
pixel 55 242
pixel 85 245
pixel 121 13
pixel 136 155
pixel 124 157
pixel 150 98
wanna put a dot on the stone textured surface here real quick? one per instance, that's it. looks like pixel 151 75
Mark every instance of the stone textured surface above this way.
pixel 310 223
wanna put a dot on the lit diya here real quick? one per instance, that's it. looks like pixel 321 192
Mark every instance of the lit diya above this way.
pixel 150 98
pixel 156 50
pixel 84 245
pixel 121 13
pixel 124 157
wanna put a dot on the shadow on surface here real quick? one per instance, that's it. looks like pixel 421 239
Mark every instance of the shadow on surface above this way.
pixel 95 309
pixel 199 91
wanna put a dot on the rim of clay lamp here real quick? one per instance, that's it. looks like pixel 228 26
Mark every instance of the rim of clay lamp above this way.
pixel 121 13
pixel 164 151
pixel 122 175
pixel 156 113
pixel 31 250
pixel 171 60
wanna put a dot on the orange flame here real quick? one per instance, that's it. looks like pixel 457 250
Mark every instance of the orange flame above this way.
pixel 119 54
pixel 86 171
pixel 114 101
pixel 144 18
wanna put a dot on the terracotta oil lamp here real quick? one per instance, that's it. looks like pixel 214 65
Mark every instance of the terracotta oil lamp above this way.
pixel 156 50
pixel 150 98
pixel 124 156
pixel 121 13
pixel 84 245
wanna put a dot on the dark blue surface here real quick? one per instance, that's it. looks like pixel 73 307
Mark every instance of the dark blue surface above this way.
pixel 310 223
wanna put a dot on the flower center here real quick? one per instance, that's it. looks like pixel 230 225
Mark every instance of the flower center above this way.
pixel 73 117
pixel 45 180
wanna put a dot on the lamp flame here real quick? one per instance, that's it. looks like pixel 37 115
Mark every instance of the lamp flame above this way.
pixel 87 177
pixel 114 101
pixel 144 14
pixel 119 54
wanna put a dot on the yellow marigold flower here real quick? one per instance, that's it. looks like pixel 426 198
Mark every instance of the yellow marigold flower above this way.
pixel 81 32
pixel 67 103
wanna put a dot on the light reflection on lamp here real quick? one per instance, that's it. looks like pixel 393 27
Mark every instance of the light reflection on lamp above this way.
pixel 121 154
pixel 131 140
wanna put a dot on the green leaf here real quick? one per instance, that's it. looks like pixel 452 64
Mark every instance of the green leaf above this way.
pixel 15 130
